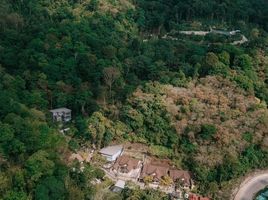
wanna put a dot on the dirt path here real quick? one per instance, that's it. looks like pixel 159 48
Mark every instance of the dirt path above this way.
pixel 141 185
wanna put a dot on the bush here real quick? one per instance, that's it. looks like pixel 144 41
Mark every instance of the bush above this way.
pixel 207 131
pixel 73 145
pixel 244 82
pixel 160 151
pixel 99 173
pixel 248 136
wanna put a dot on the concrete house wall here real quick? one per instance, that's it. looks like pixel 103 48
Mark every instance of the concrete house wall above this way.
pixel 111 153
pixel 112 157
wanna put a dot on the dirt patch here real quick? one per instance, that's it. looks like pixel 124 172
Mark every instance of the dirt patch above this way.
pixel 136 150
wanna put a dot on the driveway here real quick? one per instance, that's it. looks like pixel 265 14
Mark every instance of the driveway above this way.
pixel 250 187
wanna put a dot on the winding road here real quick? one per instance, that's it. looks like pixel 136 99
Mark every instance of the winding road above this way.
pixel 251 186
pixel 203 33
pixel 229 33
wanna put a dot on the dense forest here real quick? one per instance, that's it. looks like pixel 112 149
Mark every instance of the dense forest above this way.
pixel 200 98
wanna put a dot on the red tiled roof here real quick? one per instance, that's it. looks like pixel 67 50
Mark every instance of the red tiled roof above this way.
pixel 154 170
pixel 126 162
pixel 180 175
pixel 196 197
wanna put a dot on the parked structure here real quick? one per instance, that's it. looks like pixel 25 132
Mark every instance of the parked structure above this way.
pixel 111 153
pixel 127 166
pixel 61 114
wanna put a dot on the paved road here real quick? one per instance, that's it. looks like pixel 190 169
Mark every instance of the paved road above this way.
pixel 242 41
pixel 251 187
pixel 203 33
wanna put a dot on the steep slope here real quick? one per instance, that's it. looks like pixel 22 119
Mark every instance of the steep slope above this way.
pixel 221 130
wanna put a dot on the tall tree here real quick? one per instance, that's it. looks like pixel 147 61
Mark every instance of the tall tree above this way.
pixel 110 74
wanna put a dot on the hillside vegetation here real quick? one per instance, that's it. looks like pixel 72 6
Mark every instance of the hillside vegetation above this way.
pixel 214 128
pixel 200 100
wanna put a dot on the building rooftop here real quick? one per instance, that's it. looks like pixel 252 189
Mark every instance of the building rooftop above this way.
pixel 126 161
pixel 111 150
pixel 180 175
pixel 120 184
pixel 76 156
pixel 197 197
pixel 60 110
pixel 153 170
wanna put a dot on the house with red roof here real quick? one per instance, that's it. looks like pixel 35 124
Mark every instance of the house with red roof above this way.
pixel 127 166
pixel 197 197
pixel 155 171
pixel 181 176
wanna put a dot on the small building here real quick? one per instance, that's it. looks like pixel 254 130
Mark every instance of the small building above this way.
pixel 127 166
pixel 181 176
pixel 119 186
pixel 61 114
pixel 155 171
pixel 111 153
pixel 76 156
pixel 176 195
pixel 197 197
pixel 81 156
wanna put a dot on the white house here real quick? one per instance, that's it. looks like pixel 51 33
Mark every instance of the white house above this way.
pixel 61 114
pixel 111 153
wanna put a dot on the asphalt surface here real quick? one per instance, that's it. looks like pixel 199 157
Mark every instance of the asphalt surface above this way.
pixel 251 187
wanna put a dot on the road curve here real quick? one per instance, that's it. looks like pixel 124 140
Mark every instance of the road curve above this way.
pixel 250 187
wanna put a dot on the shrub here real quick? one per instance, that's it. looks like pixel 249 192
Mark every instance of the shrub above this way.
pixel 248 136
pixel 99 173
pixel 207 131
pixel 160 151
pixel 73 145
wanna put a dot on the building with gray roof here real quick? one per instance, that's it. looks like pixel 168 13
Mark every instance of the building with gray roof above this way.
pixel 61 114
pixel 111 153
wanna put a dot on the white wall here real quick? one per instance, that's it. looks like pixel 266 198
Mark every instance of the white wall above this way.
pixel 114 157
